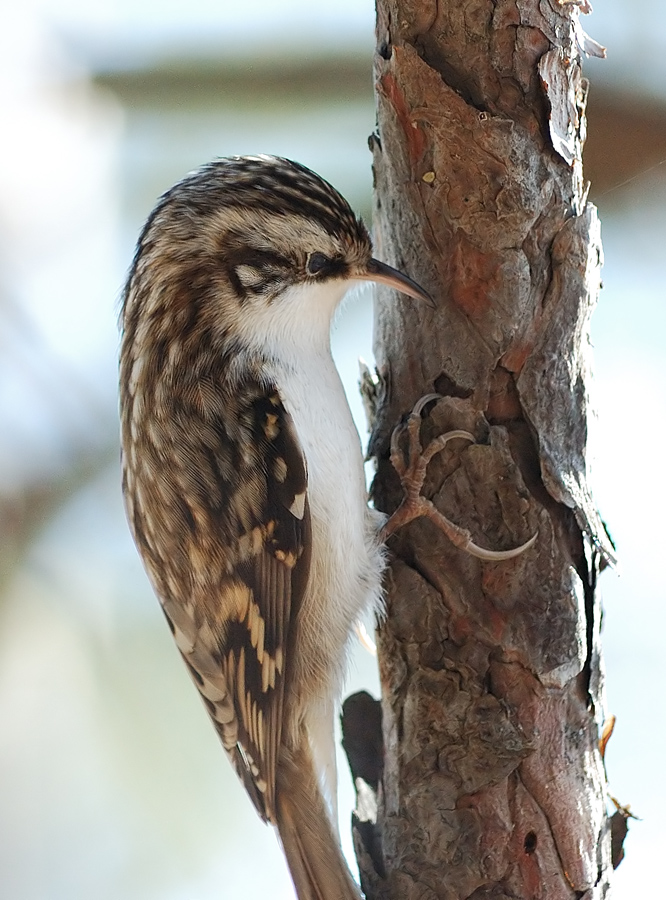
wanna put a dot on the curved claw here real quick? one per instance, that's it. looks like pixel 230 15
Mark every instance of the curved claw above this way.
pixel 498 555
pixel 461 538
pixel 419 458
pixel 394 453
pixel 427 398
pixel 438 444
pixel 410 425
pixel 412 472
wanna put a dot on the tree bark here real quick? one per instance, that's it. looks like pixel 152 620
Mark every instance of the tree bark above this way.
pixel 493 783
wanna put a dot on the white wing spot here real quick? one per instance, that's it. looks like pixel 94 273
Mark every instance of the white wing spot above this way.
pixel 297 507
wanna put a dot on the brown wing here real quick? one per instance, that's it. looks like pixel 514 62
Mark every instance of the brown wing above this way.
pixel 225 535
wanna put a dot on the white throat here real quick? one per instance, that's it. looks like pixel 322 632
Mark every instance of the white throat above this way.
pixel 297 323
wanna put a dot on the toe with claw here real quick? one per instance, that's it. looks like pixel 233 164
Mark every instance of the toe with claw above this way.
pixel 412 471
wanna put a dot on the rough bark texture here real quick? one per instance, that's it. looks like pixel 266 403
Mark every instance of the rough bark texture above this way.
pixel 493 783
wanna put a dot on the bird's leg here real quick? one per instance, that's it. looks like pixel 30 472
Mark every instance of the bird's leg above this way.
pixel 412 471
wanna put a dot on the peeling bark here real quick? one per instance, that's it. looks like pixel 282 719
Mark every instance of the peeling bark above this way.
pixel 493 785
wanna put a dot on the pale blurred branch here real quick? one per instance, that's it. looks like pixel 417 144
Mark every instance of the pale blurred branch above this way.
pixel 32 504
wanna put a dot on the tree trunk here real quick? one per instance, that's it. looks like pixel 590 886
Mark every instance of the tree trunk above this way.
pixel 493 783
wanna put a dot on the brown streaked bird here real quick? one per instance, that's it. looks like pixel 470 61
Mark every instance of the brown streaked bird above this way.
pixel 243 474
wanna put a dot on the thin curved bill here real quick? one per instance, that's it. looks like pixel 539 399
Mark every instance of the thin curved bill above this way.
pixel 381 272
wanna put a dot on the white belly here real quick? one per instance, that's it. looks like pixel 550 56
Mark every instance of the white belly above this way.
pixel 347 564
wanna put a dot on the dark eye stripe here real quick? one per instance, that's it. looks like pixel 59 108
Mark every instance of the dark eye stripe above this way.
pixel 241 261
pixel 257 258
pixel 322 266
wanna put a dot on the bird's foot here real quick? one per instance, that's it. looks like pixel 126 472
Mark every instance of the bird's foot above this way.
pixel 412 470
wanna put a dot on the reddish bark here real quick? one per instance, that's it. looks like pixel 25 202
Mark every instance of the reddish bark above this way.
pixel 493 783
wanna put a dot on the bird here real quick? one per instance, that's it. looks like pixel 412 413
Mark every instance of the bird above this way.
pixel 243 474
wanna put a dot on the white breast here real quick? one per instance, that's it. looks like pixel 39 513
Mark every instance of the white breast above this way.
pixel 346 563
pixel 314 396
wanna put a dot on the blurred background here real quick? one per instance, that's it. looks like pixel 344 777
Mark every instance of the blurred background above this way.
pixel 112 782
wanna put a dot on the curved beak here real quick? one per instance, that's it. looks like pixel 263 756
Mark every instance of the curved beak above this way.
pixel 379 271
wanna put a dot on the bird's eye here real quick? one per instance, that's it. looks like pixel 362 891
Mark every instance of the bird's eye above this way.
pixel 316 263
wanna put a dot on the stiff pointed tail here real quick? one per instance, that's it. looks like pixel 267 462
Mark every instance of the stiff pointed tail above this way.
pixel 317 866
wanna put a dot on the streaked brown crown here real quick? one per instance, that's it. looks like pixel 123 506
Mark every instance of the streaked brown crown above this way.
pixel 271 183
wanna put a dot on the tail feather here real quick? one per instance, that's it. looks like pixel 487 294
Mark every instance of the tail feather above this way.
pixel 317 866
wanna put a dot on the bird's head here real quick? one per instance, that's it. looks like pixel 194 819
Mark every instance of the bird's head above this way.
pixel 261 245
